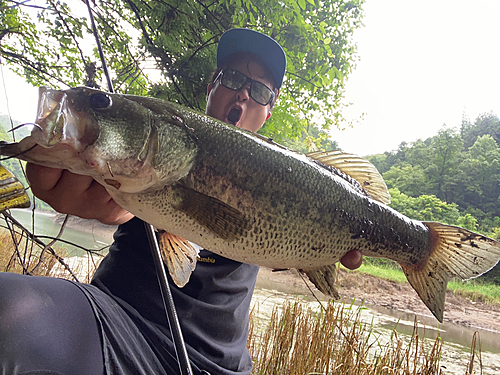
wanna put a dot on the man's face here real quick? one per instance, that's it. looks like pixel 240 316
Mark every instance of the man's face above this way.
pixel 246 112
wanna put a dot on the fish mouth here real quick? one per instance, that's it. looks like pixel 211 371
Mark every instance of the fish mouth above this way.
pixel 52 105
pixel 59 122
pixel 234 115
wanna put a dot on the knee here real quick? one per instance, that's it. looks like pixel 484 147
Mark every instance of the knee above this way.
pixel 44 320
pixel 18 300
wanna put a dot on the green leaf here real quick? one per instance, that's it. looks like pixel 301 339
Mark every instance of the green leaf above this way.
pixel 178 40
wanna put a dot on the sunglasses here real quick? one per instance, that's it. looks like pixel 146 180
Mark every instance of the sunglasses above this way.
pixel 234 80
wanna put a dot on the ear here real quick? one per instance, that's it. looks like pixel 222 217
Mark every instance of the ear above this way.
pixel 277 92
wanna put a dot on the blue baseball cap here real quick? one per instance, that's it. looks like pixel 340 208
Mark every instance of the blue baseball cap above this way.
pixel 247 40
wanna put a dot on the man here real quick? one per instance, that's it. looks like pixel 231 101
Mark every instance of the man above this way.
pixel 117 325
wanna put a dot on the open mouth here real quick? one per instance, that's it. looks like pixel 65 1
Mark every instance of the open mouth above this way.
pixel 234 115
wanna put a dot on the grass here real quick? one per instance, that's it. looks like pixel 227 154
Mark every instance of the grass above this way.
pixel 383 272
pixel 298 341
pixel 476 290
pixel 20 254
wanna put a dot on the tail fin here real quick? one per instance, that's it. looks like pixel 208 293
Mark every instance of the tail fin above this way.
pixel 456 252
pixel 12 193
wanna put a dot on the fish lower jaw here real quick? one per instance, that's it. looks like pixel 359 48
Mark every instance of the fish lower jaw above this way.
pixel 127 184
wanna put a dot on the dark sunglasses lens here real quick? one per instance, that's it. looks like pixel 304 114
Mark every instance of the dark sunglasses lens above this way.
pixel 233 80
pixel 261 93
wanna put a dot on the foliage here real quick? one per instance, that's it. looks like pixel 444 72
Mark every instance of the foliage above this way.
pixel 452 169
pixel 179 39
pixel 424 207
pixel 314 139
pixel 406 177
pixel 462 167
pixel 487 123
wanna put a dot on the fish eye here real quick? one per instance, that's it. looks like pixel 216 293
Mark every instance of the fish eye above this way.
pixel 100 101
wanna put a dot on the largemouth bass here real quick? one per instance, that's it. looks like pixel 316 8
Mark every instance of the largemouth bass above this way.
pixel 243 196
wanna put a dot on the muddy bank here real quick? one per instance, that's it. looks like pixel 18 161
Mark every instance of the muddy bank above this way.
pixel 375 291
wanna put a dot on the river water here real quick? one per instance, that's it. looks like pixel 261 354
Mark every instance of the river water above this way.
pixel 457 339
pixel 44 225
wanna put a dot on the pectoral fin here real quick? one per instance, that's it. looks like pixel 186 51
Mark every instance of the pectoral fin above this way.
pixel 218 217
pixel 179 255
pixel 357 168
pixel 12 192
pixel 324 279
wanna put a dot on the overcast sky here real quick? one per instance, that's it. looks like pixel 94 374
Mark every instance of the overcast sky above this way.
pixel 422 64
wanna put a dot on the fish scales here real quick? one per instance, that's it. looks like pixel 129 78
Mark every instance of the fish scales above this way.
pixel 307 209
pixel 243 196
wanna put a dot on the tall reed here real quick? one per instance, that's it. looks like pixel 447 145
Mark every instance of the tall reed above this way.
pixel 21 252
pixel 299 341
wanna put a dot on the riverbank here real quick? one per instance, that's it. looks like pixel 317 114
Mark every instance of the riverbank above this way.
pixel 89 226
pixel 390 294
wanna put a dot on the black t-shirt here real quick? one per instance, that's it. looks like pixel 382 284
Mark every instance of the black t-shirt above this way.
pixel 212 308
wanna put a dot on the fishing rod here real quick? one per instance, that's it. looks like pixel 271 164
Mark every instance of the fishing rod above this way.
pixel 168 301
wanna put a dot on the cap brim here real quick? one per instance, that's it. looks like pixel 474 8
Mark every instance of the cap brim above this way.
pixel 247 40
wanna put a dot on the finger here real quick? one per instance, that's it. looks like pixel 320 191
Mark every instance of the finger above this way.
pixel 103 207
pixel 79 195
pixel 42 178
pixel 75 183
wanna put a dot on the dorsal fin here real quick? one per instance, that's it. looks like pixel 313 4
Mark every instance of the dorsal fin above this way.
pixel 359 169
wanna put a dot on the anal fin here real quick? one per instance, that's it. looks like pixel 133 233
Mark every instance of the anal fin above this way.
pixel 324 279
pixel 179 255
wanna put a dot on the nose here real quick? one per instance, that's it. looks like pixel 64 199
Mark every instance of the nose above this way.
pixel 243 94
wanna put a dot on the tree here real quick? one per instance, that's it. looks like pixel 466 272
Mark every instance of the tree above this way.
pixel 314 139
pixel 487 123
pixel 419 153
pixel 440 166
pixel 409 179
pixel 468 221
pixel 424 207
pixel 446 147
pixel 477 177
pixel 180 39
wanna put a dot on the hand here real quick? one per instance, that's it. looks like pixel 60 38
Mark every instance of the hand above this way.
pixel 78 195
pixel 352 259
